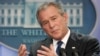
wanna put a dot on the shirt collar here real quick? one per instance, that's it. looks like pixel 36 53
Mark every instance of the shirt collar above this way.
pixel 66 37
pixel 64 40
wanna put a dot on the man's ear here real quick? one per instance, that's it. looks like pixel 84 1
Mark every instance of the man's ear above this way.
pixel 65 15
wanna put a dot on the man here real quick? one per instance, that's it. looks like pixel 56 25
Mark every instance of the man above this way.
pixel 54 22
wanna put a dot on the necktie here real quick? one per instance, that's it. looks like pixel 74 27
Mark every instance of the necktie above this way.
pixel 59 43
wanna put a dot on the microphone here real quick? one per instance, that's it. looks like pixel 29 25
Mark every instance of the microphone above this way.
pixel 63 52
pixel 75 51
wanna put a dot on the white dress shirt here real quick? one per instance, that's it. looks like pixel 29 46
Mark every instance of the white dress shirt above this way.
pixel 64 40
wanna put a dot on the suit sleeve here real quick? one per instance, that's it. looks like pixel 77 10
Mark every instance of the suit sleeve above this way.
pixel 34 48
pixel 92 48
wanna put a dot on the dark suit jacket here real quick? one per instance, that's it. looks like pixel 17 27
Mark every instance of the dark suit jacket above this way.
pixel 85 45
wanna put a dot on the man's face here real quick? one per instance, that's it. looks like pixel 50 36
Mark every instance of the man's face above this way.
pixel 53 23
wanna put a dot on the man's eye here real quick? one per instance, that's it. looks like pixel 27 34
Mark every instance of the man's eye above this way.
pixel 44 23
pixel 53 18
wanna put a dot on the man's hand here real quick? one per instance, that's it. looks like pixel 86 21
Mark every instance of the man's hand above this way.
pixel 46 51
pixel 22 50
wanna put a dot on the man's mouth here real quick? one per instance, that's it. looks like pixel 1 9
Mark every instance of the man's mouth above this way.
pixel 55 31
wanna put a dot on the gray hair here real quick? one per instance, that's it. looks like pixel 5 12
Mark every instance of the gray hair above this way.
pixel 46 5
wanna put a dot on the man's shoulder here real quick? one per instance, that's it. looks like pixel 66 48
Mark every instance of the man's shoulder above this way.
pixel 37 45
pixel 42 42
pixel 83 37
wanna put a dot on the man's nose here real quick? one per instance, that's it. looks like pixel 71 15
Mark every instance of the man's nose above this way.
pixel 51 24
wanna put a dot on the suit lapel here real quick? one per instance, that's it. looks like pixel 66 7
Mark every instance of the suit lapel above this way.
pixel 72 42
